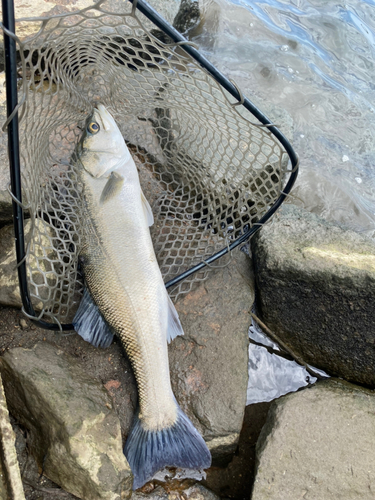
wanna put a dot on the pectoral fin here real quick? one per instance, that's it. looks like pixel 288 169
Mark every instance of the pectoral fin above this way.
pixel 147 209
pixel 113 186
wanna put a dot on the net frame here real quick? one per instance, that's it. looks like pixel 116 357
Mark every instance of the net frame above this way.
pixel 10 39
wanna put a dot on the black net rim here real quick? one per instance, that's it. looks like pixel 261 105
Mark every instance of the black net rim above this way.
pixel 8 26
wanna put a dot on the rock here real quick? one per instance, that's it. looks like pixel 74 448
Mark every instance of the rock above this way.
pixel 279 116
pixel 9 290
pixel 237 478
pixel 318 444
pixel 208 370
pixel 39 8
pixel 75 434
pixel 199 492
pixel 316 286
pixel 209 363
pixel 23 324
pixel 188 17
pixel 10 476
pixel 195 492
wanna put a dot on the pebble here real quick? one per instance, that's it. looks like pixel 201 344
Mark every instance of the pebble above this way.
pixel 23 324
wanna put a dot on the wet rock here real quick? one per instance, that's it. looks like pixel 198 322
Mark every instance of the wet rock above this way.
pixel 75 434
pixel 188 16
pixel 209 363
pixel 316 286
pixel 280 117
pixel 318 444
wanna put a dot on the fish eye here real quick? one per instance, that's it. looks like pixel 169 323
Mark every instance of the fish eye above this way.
pixel 93 128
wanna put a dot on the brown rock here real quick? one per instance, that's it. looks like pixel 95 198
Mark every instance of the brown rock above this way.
pixel 209 363
pixel 75 434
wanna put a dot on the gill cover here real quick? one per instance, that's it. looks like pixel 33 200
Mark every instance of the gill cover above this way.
pixel 102 148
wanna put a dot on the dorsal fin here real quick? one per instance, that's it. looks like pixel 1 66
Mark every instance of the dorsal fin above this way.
pixel 147 210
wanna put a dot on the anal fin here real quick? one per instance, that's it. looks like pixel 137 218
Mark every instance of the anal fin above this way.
pixel 174 325
pixel 147 210
pixel 90 324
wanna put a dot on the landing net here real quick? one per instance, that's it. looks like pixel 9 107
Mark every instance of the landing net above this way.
pixel 208 173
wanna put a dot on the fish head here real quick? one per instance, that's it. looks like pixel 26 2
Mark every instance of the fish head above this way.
pixel 101 149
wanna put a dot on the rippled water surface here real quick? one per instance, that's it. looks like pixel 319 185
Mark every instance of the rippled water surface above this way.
pixel 308 65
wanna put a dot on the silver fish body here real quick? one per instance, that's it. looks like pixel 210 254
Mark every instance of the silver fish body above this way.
pixel 125 283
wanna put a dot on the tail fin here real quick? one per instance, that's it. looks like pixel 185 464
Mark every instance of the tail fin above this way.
pixel 180 445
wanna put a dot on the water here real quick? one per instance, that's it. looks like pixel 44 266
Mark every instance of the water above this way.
pixel 309 65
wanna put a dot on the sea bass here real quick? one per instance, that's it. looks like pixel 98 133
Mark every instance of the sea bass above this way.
pixel 125 295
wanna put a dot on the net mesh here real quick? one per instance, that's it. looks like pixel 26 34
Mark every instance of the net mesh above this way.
pixel 208 173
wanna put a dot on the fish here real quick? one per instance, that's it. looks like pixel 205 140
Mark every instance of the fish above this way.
pixel 125 296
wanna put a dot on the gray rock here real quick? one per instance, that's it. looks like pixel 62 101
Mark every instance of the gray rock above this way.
pixel 316 286
pixel 280 117
pixel 10 476
pixel 209 363
pixel 318 444
pixel 9 289
pixel 188 16
pixel 75 434
pixel 39 8
pixel 199 492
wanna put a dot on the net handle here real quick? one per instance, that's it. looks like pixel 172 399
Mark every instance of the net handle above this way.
pixel 14 161
pixel 14 154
